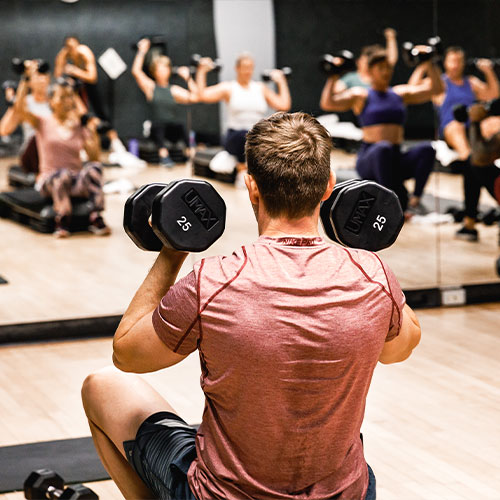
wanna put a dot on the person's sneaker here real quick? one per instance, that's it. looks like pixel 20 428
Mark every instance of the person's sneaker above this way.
pixel 62 227
pixel 467 234
pixel 98 227
pixel 167 162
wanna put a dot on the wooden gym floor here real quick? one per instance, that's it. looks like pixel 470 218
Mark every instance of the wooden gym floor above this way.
pixel 431 426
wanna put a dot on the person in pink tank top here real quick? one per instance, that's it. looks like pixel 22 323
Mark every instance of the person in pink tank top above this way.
pixel 288 329
pixel 60 138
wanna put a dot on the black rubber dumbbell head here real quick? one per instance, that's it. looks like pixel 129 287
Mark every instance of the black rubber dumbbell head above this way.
pixel 136 216
pixel 78 492
pixel 460 113
pixel 362 214
pixel 367 215
pixel 189 215
pixel 39 481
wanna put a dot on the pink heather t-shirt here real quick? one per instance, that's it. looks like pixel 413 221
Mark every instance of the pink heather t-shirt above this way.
pixel 289 331
pixel 58 147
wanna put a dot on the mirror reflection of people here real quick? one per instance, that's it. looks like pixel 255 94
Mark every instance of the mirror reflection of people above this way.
pixel 77 61
pixel 37 103
pixel 163 98
pixel 60 138
pixel 484 139
pixel 381 112
pixel 289 331
pixel 247 102
pixel 459 88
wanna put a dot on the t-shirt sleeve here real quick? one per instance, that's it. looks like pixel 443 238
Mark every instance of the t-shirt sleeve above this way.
pixel 176 319
pixel 398 300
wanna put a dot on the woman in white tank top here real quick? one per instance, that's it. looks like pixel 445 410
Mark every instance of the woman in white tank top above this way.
pixel 247 102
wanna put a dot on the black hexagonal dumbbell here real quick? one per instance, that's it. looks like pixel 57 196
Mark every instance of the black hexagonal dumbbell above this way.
pixel 45 483
pixel 362 214
pixel 187 215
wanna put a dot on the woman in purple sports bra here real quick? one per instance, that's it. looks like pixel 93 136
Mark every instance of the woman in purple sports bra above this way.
pixel 381 112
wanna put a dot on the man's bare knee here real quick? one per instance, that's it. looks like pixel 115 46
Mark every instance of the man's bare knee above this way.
pixel 97 385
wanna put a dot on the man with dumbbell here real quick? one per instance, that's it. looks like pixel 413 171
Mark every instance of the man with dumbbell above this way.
pixel 60 139
pixel 289 331
pixel 163 97
pixel 77 61
pixel 381 111
pixel 37 103
pixel 247 102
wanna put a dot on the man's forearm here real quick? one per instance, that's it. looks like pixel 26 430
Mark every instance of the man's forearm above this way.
pixel 159 279
pixel 83 75
pixel 437 86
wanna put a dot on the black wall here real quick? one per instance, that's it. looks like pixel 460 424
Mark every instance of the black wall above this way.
pixel 36 28
pixel 307 29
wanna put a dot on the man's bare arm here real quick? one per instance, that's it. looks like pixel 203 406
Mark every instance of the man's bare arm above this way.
pixel 401 347
pixel 136 347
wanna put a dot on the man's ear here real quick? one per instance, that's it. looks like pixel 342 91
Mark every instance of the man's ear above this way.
pixel 331 184
pixel 253 190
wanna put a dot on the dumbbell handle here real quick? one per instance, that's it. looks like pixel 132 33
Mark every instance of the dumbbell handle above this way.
pixel 53 492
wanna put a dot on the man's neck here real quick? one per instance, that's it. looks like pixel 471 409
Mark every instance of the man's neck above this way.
pixel 279 227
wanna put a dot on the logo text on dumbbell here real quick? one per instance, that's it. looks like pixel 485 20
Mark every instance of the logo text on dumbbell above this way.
pixel 379 224
pixel 360 212
pixel 199 208
pixel 183 222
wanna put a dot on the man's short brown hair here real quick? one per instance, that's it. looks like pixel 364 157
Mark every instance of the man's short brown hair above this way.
pixel 288 155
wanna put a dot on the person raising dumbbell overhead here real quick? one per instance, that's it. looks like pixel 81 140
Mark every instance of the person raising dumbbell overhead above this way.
pixel 381 111
pixel 289 330
pixel 163 97
pixel 361 77
pixel 37 102
pixel 60 138
pixel 77 61
pixel 247 102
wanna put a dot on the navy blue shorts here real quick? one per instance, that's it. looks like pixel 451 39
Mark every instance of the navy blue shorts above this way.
pixel 234 143
pixel 163 451
pixel 161 454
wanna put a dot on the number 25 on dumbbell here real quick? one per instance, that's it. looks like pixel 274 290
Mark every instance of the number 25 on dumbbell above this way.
pixel 187 215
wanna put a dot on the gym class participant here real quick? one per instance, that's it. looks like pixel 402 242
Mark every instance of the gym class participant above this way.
pixel 163 97
pixel 247 102
pixel 381 112
pixel 77 61
pixel 461 89
pixel 60 138
pixel 37 103
pixel 289 330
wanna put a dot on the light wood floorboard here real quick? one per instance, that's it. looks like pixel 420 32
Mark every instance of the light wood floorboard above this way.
pixel 431 425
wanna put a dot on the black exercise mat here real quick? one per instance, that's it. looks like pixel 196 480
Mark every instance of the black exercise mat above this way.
pixel 74 459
